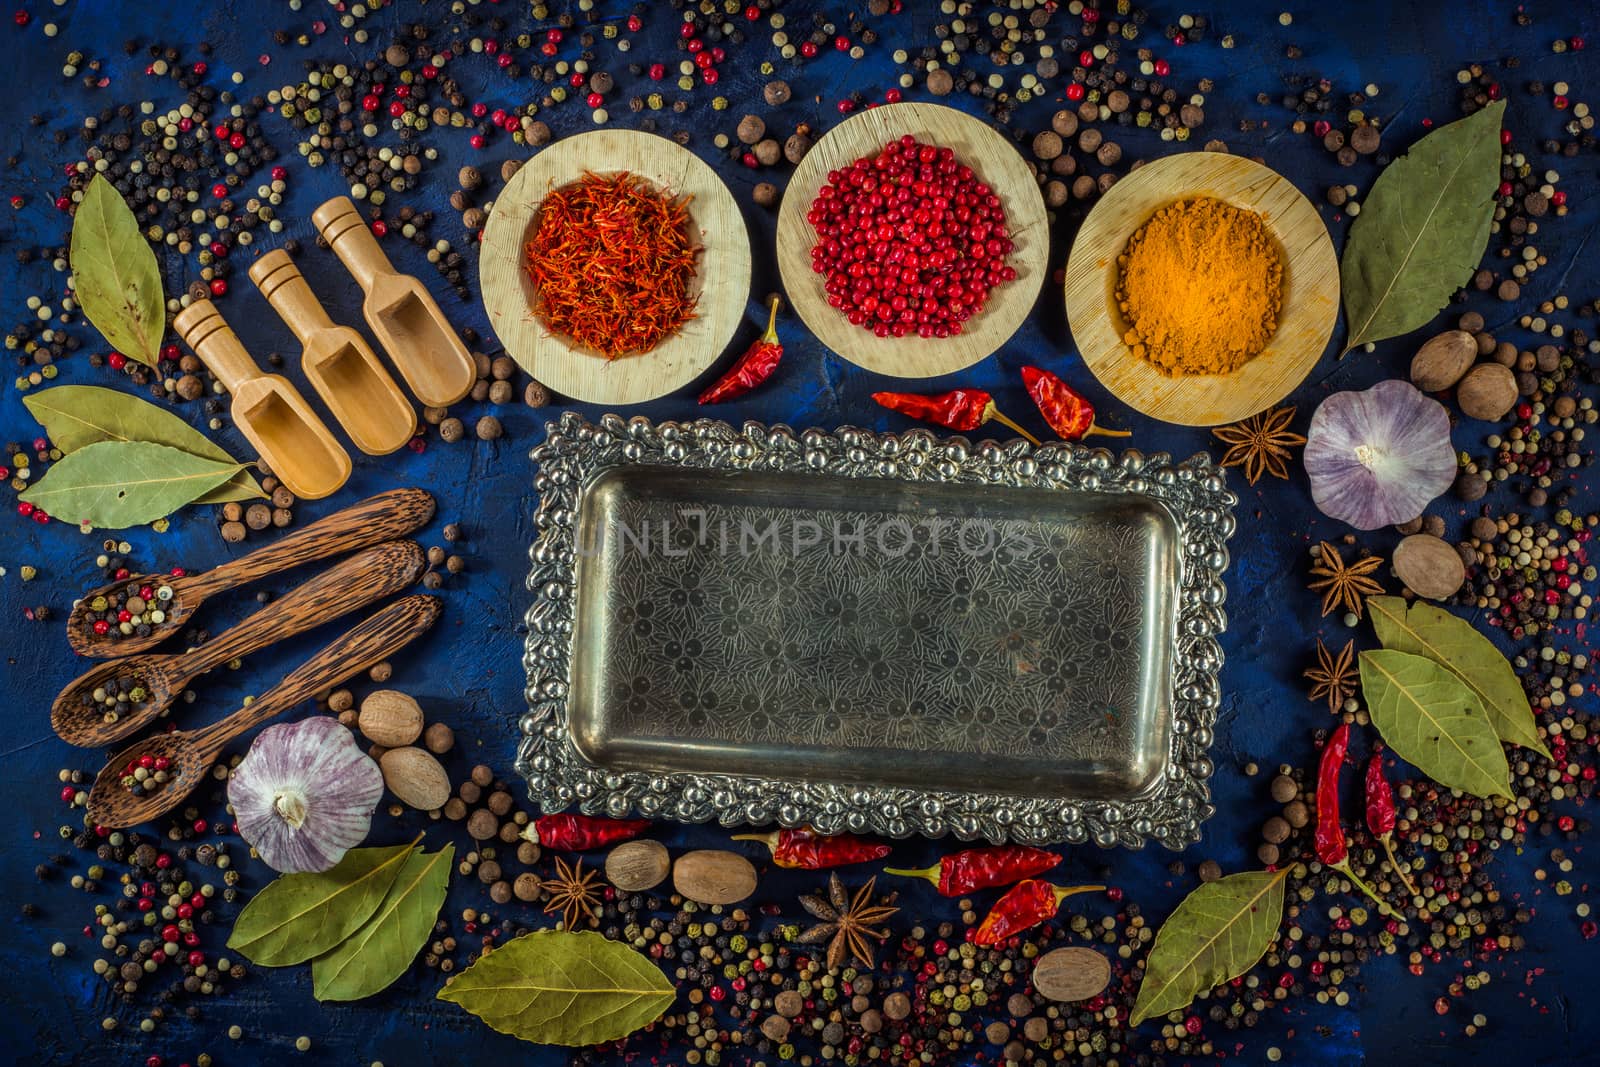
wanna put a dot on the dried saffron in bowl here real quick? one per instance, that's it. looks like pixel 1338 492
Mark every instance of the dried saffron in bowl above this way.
pixel 612 262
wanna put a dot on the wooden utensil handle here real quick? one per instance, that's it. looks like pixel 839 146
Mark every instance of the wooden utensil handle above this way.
pixel 285 288
pixel 369 642
pixel 204 330
pixel 352 583
pixel 347 234
pixel 379 518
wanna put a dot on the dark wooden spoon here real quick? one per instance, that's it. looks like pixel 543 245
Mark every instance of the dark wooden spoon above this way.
pixel 379 518
pixel 191 753
pixel 352 583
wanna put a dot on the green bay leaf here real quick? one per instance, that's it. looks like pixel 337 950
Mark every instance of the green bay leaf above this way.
pixel 77 415
pixel 1219 932
pixel 556 987
pixel 1434 722
pixel 1454 643
pixel 116 484
pixel 369 960
pixel 1422 229
pixel 114 274
pixel 299 916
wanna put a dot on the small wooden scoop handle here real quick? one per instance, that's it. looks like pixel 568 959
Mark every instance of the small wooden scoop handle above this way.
pixel 286 289
pixel 342 226
pixel 370 642
pixel 204 330
pixel 384 517
pixel 347 585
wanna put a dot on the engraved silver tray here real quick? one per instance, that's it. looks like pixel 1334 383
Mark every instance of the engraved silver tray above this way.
pixel 879 633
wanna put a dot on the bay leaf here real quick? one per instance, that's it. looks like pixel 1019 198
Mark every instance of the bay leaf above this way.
pixel 116 484
pixel 1434 722
pixel 1219 932
pixel 1422 229
pixel 1454 643
pixel 299 916
pixel 369 960
pixel 558 987
pixel 78 415
pixel 114 274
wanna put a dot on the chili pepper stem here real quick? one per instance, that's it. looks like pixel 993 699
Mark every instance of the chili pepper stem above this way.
pixel 771 336
pixel 1096 428
pixel 929 873
pixel 768 839
pixel 1394 864
pixel 1343 867
pixel 1062 892
pixel 994 413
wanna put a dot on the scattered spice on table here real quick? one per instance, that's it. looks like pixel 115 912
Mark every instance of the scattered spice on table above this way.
pixel 850 923
pixel 1332 848
pixel 131 610
pixel 1260 444
pixel 612 261
pixel 963 410
pixel 909 240
pixel 971 869
pixel 1200 286
pixel 1381 816
pixel 804 848
pixel 574 892
pixel 1023 907
pixel 579 833
pixel 1334 677
pixel 1343 584
pixel 117 697
pixel 1069 415
pixel 754 366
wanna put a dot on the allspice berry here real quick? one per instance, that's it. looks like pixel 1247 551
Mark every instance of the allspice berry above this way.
pixel 940 82
pixel 1109 153
pixel 451 430
pixel 1064 122
pixel 1284 789
pixel 537 134
pixel 796 147
pixel 776 93
pixel 482 825
pixel 1047 145
pixel 768 152
pixel 469 177
pixel 233 532
pixel 1365 139
pixel 751 129
pixel 536 395
pixel 509 168
pixel 765 194
pixel 526 887
pixel 488 428
pixel 1275 830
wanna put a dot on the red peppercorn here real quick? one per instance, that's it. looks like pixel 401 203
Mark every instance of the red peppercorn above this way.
pixel 658 71
pixel 21 18
pixel 808 49
pixel 709 75
pixel 219 190
pixel 892 96
pixel 752 12
pixel 1075 91
pixel 381 228
pixel 1560 103
pixel 16 202
pixel 1162 68
pixel 476 140
pixel 635 24
pixel 1505 137
pixel 237 141
pixel 219 286
pixel 197 959
pixel 68 794
pixel 595 99
pixel 1559 198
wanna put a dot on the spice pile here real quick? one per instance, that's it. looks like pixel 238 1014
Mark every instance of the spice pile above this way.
pixel 612 262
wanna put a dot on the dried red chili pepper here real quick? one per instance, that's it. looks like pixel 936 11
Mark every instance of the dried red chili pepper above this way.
pixel 806 849
pixel 752 368
pixel 1025 905
pixel 982 868
pixel 1381 816
pixel 577 833
pixel 1069 415
pixel 962 410
pixel 1332 849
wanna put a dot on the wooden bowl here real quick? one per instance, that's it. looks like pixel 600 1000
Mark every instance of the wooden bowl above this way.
pixel 996 162
pixel 1310 289
pixel 722 274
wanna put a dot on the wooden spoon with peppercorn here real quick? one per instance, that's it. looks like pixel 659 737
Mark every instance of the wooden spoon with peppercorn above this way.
pixel 96 632
pixel 174 763
pixel 83 714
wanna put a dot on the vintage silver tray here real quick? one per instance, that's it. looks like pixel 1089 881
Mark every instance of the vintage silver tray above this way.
pixel 892 634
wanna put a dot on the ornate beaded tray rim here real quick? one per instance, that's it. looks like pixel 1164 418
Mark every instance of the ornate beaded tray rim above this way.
pixel 1171 811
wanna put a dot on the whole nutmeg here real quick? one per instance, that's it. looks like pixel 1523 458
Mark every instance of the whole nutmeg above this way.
pixel 1047 145
pixel 776 93
pixel 635 866
pixel 765 194
pixel 710 876
pixel 415 777
pixel 1428 565
pixel 751 129
pixel 1487 392
pixel 1442 360
pixel 768 152
pixel 390 717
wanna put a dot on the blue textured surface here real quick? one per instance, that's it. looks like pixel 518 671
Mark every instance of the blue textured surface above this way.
pixel 468 673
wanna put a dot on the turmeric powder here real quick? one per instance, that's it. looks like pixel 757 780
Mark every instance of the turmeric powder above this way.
pixel 1200 287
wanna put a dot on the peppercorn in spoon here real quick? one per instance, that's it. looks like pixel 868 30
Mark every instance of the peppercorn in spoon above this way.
pixel 153 775
pixel 139 611
pixel 113 700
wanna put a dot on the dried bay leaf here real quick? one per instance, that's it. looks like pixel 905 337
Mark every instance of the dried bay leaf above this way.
pixel 1454 643
pixel 1434 722
pixel 556 987
pixel 381 949
pixel 1219 932
pixel 1422 229
pixel 77 415
pixel 299 916
pixel 114 274
pixel 116 484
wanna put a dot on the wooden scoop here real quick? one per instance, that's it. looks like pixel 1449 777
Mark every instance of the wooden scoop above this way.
pixel 354 583
pixel 400 311
pixel 190 753
pixel 270 411
pixel 378 518
pixel 337 360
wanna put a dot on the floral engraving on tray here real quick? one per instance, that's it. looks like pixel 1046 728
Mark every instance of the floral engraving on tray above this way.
pixel 935 645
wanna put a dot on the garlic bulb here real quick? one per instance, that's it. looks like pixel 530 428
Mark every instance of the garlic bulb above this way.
pixel 1378 457
pixel 304 794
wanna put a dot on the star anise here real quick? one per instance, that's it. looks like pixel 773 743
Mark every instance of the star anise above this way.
pixel 850 924
pixel 1260 444
pixel 1334 676
pixel 574 892
pixel 1344 584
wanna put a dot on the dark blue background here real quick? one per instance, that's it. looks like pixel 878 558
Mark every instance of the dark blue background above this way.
pixel 468 672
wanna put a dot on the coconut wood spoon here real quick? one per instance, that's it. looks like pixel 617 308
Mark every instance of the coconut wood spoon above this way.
pixel 191 753
pixel 379 518
pixel 353 583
